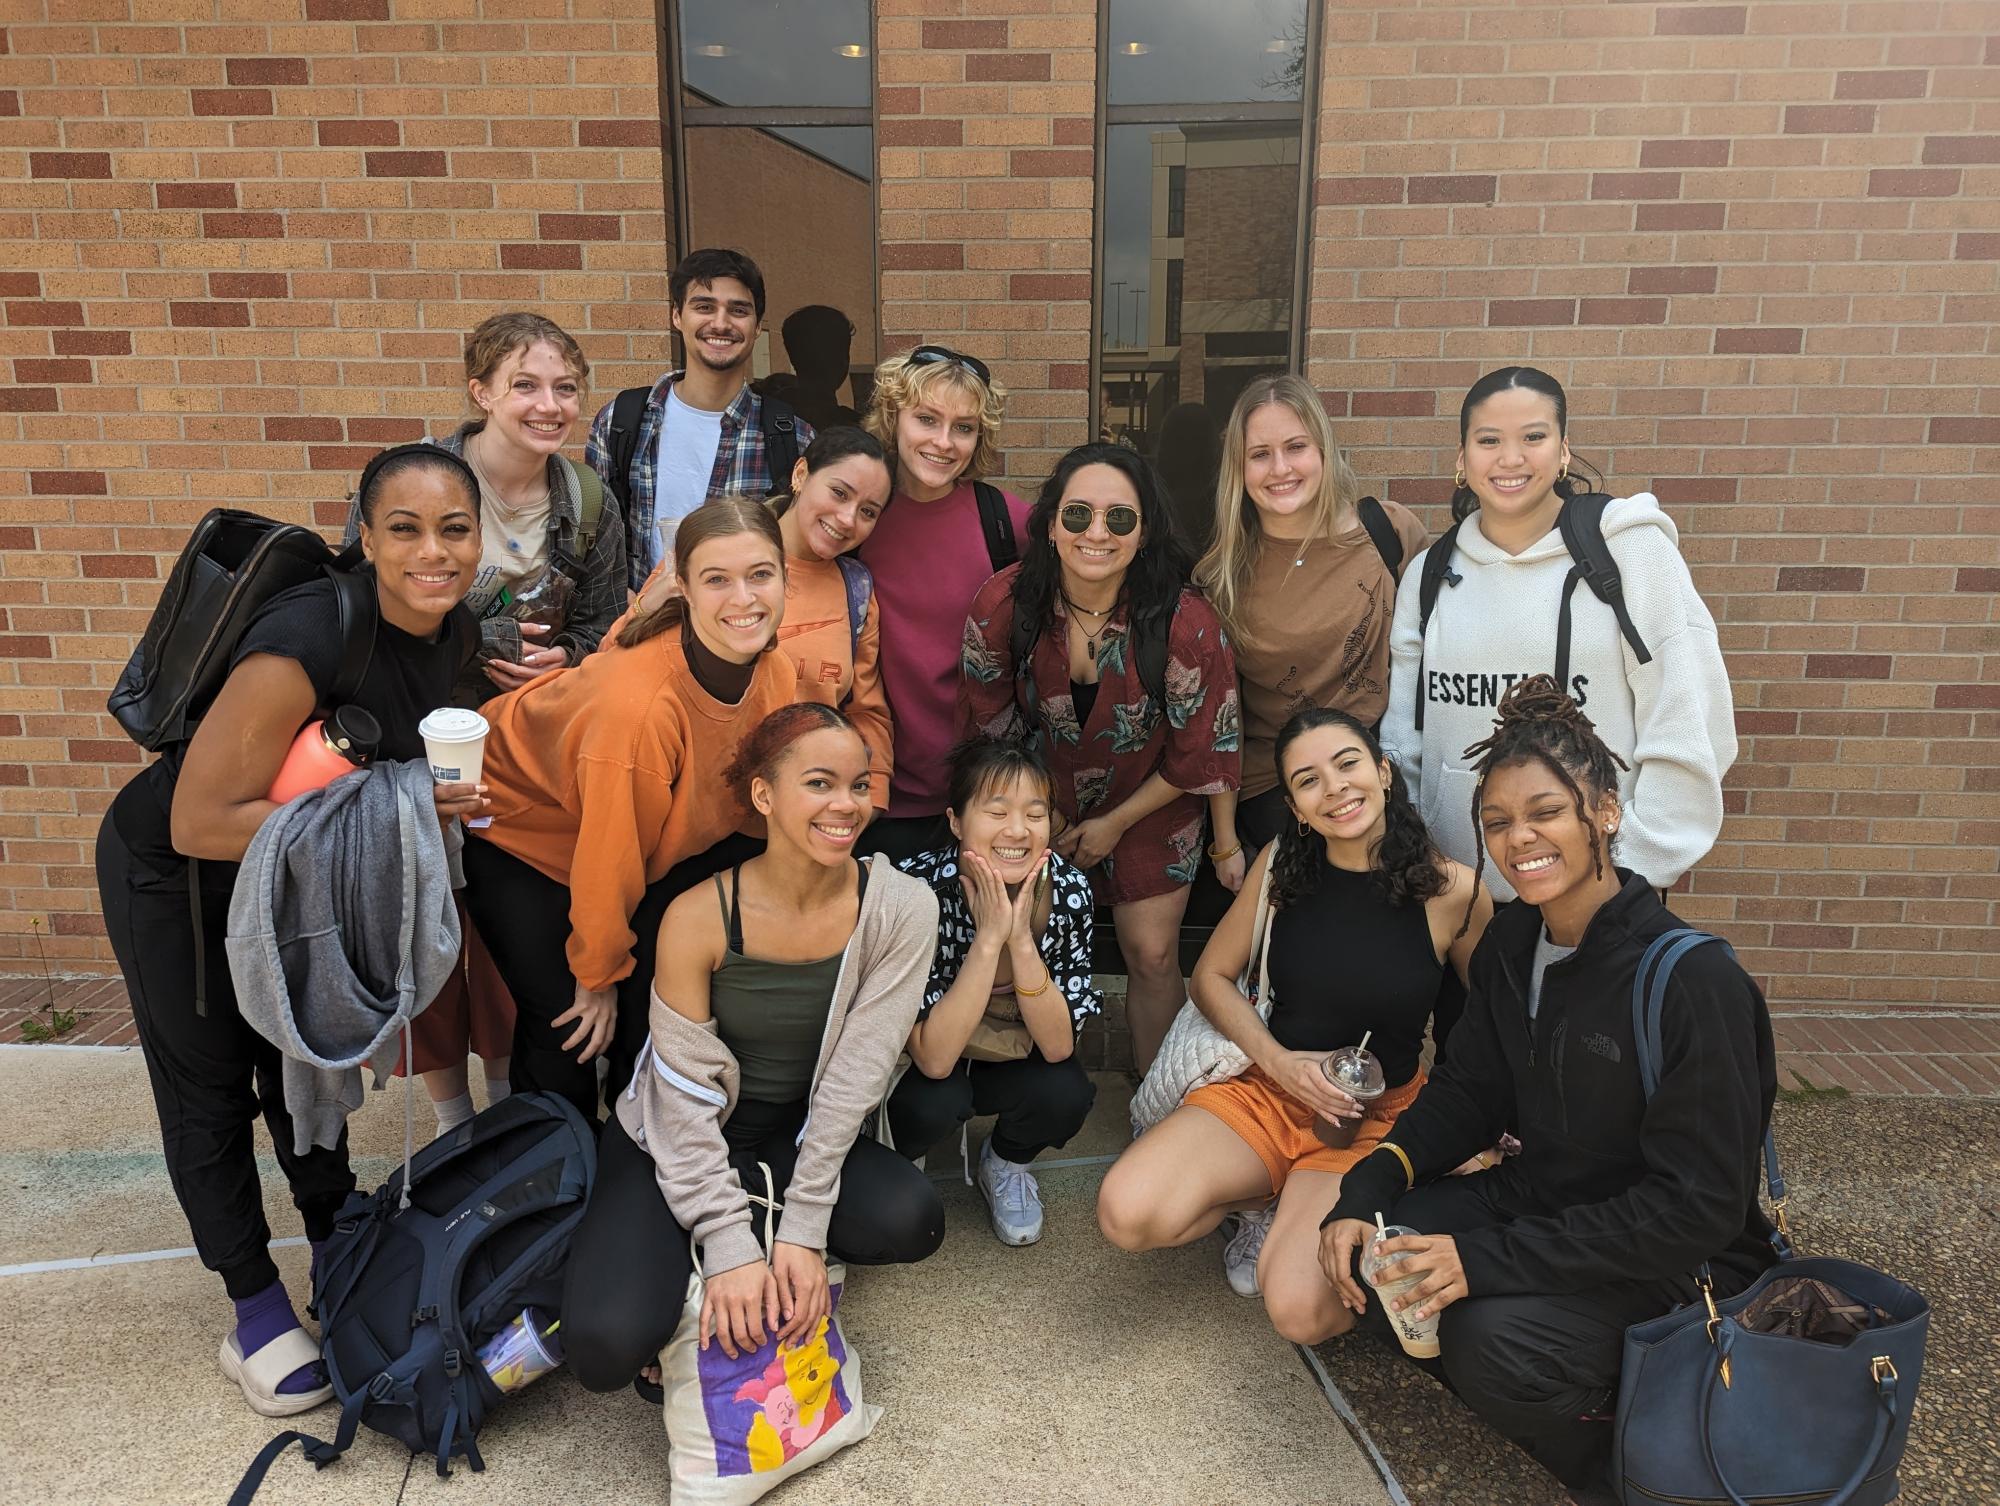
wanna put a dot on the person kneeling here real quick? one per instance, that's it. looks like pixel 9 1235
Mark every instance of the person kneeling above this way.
pixel 1365 915
pixel 778 1012
pixel 1536 1267
pixel 1009 987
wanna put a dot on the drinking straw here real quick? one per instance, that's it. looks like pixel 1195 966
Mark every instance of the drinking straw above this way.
pixel 1364 1042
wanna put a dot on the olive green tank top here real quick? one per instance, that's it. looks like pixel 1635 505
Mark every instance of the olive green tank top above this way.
pixel 771 1015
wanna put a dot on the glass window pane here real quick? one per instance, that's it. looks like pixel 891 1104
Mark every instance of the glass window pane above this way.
pixel 1171 52
pixel 1200 236
pixel 776 52
pixel 801 203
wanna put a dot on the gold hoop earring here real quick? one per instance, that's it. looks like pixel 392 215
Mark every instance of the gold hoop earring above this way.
pixel 1458 479
pixel 1305 828
pixel 1563 474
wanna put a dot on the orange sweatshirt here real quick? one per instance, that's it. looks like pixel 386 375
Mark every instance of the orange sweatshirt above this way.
pixel 833 669
pixel 605 775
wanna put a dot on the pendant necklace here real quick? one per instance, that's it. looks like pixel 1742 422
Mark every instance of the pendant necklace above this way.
pixel 1090 637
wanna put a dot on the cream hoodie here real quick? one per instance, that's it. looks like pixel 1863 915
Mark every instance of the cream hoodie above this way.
pixel 1671 720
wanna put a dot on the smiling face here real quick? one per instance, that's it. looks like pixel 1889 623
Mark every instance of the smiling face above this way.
pixel 836 507
pixel 1008 825
pixel 817 796
pixel 1534 835
pixel 718 323
pixel 1334 785
pixel 1511 457
pixel 531 399
pixel 1281 468
pixel 935 438
pixel 736 594
pixel 423 539
pixel 1097 556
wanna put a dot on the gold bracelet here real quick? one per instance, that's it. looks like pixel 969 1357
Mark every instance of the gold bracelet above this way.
pixel 1035 993
pixel 1409 1171
pixel 1223 857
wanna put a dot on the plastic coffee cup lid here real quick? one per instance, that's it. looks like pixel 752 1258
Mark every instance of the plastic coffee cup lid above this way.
pixel 453 724
pixel 1356 1069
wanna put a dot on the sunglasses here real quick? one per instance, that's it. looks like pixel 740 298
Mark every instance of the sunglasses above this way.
pixel 1121 518
pixel 938 355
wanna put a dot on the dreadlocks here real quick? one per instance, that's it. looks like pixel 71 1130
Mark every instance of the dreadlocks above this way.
pixel 1538 722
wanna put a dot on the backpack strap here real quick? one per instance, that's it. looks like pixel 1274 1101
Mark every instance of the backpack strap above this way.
pixel 1581 523
pixel 1375 518
pixel 626 411
pixel 1149 654
pixel 354 596
pixel 860 583
pixel 1437 570
pixel 590 497
pixel 781 440
pixel 996 525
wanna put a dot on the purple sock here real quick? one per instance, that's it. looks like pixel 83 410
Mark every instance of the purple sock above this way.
pixel 267 1316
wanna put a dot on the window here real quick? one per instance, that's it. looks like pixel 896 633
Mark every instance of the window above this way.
pixel 774 154
pixel 1200 284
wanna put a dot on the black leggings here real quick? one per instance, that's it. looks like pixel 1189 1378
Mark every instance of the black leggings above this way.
pixel 630 1261
pixel 212 1075
pixel 1040 1103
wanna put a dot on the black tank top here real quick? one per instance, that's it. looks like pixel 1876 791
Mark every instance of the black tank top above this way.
pixel 1345 961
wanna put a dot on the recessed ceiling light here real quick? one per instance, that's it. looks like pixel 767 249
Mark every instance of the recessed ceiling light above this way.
pixel 851 50
pixel 714 50
pixel 1277 44
pixel 1134 49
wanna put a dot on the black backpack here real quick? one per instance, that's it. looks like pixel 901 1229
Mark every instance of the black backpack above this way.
pixel 777 419
pixel 1581 523
pixel 408 1290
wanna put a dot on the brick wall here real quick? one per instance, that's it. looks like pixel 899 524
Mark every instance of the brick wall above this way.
pixel 987 190
pixel 243 241
pixel 1760 245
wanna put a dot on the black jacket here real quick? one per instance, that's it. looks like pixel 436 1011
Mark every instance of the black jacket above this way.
pixel 1617 1188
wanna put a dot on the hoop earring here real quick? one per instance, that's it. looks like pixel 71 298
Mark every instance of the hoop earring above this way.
pixel 1458 479
pixel 1305 830
pixel 1563 474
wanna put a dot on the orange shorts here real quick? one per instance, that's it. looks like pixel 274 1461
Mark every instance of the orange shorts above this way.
pixel 1280 1128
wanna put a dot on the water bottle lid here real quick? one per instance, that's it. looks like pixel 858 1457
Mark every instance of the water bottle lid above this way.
pixel 353 733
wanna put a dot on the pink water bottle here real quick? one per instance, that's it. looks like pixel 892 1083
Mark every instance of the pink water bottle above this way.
pixel 325 750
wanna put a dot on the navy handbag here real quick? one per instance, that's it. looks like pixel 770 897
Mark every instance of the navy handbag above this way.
pixel 1796 1391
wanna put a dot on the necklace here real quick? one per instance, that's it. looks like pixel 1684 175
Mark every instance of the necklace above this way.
pixel 1090 635
pixel 1304 545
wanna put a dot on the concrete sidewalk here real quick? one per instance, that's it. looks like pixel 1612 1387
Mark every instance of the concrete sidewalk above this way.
pixel 1065 1374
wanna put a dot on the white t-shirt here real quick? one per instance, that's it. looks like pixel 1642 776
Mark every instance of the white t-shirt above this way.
pixel 514 546
pixel 689 438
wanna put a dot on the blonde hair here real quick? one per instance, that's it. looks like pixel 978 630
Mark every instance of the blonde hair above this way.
pixel 718 518
pixel 899 385
pixel 1224 571
pixel 499 336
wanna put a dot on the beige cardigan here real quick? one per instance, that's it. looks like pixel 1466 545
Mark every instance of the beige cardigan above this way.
pixel 686 1082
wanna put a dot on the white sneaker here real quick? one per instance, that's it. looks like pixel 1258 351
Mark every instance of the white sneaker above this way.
pixel 1012 1197
pixel 1239 1256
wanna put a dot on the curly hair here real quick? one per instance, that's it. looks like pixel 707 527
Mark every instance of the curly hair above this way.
pixel 1539 724
pixel 498 336
pixel 1404 866
pixel 758 755
pixel 1465 501
pixel 899 385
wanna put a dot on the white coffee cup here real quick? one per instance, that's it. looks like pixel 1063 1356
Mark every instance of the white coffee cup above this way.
pixel 455 744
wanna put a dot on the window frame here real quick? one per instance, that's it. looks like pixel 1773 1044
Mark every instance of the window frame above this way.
pixel 1305 109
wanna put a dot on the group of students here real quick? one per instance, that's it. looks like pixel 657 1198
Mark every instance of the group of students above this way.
pixel 795 814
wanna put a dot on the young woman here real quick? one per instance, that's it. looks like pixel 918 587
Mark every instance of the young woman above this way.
pixel 938 413
pixel 839 489
pixel 777 1017
pixel 1120 674
pixel 1009 988
pixel 1366 915
pixel 1304 590
pixel 606 777
pixel 1497 619
pixel 1539 1265
pixel 212 1076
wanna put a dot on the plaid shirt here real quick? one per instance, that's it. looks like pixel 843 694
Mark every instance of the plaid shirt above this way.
pixel 740 466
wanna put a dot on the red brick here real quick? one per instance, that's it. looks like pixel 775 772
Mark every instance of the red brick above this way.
pixel 579 227
pixel 1813 936
pixel 192 314
pixel 17 538
pixel 1894 83
pixel 1967 698
pixel 27 370
pixel 1671 280
pixel 641 133
pixel 407 164
pixel 542 256
pixel 67 483
pixel 1075 130
pixel 1623 311
pixel 1847 666
pixel 1829 120
pixel 893 99
pixel 1068 377
pixel 38 312
pixel 360 133
pixel 1680 217
pixel 1395 404
pixel 923 256
pixel 20 284
pixel 10 102
pixel 347 10
pixel 963 36
pixel 1700 20
pixel 1977 578
pixel 120 567
pixel 1635 185
pixel 921 132
pixel 93 342
pixel 1458 188
pixel 1048 164
pixel 28 400
pixel 1684 152
pixel 1359 191
pixel 1530 311
pixel 1759 341
pixel 1975 247
pixel 254 226
pixel 1821 578
pixel 17 647
pixel 1913 182
pixel 1049 287
pixel 248 285
pixel 232 101
pixel 1014 67
pixel 326 457
pixel 103 750
pixel 1965 431
pixel 244 71
pixel 195 195
pixel 1981 149
pixel 301 429
pixel 381 431
pixel 69 164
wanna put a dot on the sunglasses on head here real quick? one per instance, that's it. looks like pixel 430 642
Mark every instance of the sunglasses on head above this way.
pixel 936 355
pixel 1121 517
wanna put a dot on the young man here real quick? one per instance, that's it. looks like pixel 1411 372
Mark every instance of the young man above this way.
pixel 699 432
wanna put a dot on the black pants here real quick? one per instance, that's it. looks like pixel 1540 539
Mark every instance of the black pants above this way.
pixel 1040 1103
pixel 899 838
pixel 212 1075
pixel 629 1263
pixel 1540 1370
pixel 523 917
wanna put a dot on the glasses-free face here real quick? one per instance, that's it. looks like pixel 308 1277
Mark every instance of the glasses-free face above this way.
pixel 736 594
pixel 1120 519
pixel 1007 825
pixel 817 797
pixel 532 400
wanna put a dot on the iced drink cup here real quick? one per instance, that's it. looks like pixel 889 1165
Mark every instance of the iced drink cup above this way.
pixel 1419 1337
pixel 522 1352
pixel 1358 1074
pixel 455 744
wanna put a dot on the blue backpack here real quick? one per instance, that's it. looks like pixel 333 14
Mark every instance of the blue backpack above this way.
pixel 408 1289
